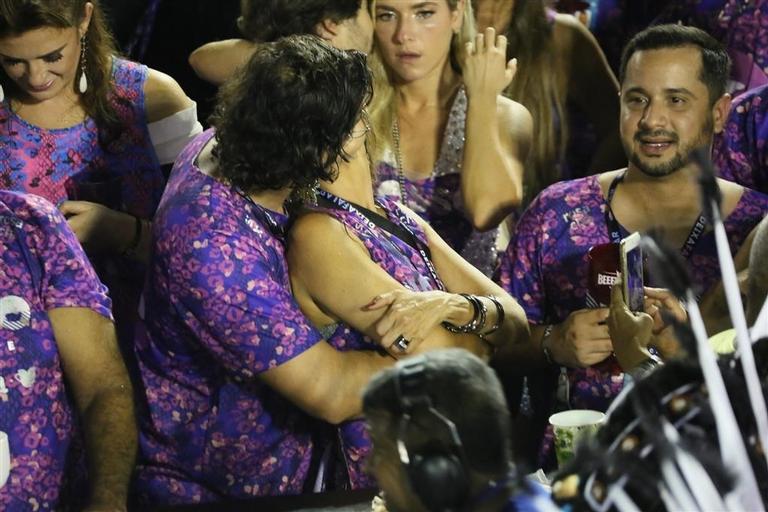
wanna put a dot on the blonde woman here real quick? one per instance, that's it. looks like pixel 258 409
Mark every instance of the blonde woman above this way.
pixel 451 146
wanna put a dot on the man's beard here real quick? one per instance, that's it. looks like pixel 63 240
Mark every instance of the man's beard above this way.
pixel 681 157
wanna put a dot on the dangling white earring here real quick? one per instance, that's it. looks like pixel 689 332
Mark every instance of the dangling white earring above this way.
pixel 82 85
pixel 2 93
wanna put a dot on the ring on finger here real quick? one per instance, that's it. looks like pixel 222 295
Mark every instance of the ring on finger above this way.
pixel 401 343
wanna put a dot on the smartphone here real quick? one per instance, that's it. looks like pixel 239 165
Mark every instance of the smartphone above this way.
pixel 631 267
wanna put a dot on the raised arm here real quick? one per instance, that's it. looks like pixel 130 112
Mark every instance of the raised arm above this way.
pixel 98 381
pixel 498 134
pixel 216 62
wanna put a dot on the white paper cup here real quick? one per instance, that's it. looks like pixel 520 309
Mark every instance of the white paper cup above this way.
pixel 570 428
pixel 5 459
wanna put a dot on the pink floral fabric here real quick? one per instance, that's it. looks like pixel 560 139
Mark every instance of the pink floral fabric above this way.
pixel 741 151
pixel 70 163
pixel 219 312
pixel 42 268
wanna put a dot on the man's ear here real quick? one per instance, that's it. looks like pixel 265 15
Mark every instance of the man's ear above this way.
pixel 327 29
pixel 720 112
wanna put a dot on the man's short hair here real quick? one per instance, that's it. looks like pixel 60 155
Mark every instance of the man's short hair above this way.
pixel 715 63
pixel 269 20
pixel 464 390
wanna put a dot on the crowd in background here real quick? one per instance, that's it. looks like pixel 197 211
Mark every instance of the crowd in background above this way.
pixel 278 247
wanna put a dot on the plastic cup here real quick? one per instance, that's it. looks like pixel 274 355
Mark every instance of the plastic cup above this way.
pixel 571 427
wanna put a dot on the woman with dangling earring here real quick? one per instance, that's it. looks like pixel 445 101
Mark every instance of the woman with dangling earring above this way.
pixel 372 275
pixel 452 147
pixel 89 132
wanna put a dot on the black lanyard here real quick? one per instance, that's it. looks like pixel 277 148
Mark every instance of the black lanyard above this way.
pixel 262 215
pixel 614 229
pixel 372 220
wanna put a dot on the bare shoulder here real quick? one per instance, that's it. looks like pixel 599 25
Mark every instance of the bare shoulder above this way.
pixel 514 118
pixel 568 28
pixel 163 96
pixel 317 231
pixel 573 38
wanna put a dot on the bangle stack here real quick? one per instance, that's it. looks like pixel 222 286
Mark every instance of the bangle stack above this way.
pixel 479 317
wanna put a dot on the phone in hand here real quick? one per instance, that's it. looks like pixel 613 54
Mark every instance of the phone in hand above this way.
pixel 631 268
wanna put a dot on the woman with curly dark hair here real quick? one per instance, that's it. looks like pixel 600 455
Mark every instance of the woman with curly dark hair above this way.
pixel 239 388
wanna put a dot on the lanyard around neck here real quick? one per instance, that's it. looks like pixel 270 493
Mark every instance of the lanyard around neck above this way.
pixel 615 231
pixel 372 219
pixel 262 215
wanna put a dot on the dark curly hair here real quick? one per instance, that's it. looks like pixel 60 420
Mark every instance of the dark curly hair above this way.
pixel 283 121
pixel 269 20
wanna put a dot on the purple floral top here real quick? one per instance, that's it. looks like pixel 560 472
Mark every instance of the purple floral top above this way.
pixel 219 312
pixel 43 268
pixel 438 199
pixel 744 24
pixel 405 264
pixel 69 163
pixel 545 267
pixel 741 150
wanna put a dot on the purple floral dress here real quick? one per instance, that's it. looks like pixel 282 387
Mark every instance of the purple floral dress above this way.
pixel 70 163
pixel 219 312
pixel 43 268
pixel 438 199
pixel 546 269
pixel 741 150
pixel 405 264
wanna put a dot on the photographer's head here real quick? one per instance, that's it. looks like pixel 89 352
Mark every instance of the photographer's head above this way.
pixel 440 426
pixel 283 121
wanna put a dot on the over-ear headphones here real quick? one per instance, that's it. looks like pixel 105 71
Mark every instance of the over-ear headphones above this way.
pixel 436 468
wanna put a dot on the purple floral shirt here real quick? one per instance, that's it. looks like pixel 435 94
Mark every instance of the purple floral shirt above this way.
pixel 219 312
pixel 741 150
pixel 43 268
pixel 69 163
pixel 546 267
pixel 405 264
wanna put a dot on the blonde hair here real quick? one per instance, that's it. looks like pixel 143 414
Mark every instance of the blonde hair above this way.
pixel 383 107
